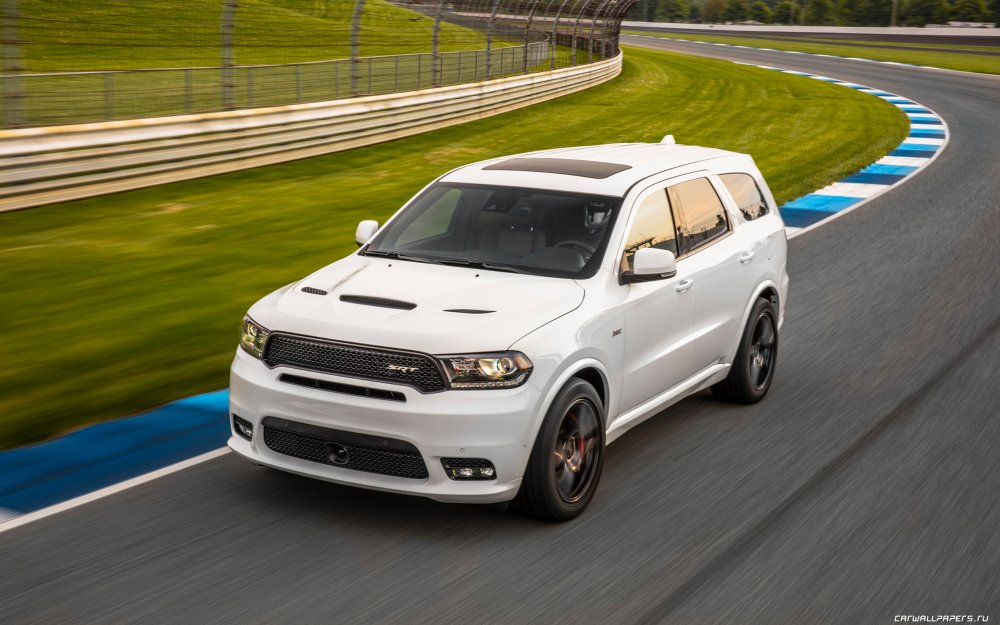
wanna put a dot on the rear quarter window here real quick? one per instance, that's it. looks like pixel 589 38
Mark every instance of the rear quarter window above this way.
pixel 701 217
pixel 749 200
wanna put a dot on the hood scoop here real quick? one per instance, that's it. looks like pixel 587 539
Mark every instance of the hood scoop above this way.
pixel 469 311
pixel 313 291
pixel 381 302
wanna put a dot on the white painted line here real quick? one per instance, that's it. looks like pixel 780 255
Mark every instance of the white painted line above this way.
pixel 851 189
pixel 24 519
pixel 906 161
pixel 911 115
pixel 925 127
pixel 919 141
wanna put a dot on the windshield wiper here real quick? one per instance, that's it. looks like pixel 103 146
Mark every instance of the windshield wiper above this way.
pixel 397 256
pixel 478 264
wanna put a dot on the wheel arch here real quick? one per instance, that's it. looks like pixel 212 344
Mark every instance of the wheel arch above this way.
pixel 589 370
pixel 766 290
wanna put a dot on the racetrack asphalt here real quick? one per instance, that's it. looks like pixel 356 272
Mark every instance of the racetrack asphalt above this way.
pixel 880 39
pixel 865 486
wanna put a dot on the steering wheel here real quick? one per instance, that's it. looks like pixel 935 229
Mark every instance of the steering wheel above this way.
pixel 590 249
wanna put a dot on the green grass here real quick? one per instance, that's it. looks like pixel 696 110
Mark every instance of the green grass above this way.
pixel 945 60
pixel 903 44
pixel 120 303
pixel 70 35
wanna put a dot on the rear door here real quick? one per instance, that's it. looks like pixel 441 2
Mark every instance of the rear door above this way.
pixel 760 222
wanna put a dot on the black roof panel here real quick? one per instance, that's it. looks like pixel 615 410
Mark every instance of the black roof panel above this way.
pixel 566 166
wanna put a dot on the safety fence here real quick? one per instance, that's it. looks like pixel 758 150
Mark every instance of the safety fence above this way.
pixel 111 95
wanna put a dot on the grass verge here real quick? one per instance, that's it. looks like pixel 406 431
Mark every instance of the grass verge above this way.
pixel 120 303
pixel 946 60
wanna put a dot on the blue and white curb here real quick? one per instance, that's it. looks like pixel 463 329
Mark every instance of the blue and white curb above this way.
pixel 110 453
pixel 109 457
pixel 926 138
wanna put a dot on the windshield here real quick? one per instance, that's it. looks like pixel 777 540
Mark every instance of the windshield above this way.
pixel 532 231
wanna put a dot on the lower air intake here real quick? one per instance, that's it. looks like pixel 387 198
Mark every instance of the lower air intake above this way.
pixel 347 450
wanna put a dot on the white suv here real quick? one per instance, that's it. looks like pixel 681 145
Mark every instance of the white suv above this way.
pixel 512 319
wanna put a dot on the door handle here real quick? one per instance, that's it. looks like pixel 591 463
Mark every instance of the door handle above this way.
pixel 746 257
pixel 684 285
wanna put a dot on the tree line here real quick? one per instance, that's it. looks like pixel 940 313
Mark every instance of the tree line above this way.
pixel 818 12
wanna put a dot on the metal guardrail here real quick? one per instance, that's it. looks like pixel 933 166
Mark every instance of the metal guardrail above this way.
pixel 52 164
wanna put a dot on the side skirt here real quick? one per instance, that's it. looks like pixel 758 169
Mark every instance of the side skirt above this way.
pixel 703 379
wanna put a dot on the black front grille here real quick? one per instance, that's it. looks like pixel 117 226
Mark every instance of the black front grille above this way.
pixel 369 454
pixel 416 370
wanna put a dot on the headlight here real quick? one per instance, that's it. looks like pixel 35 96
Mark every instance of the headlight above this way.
pixel 253 337
pixel 504 370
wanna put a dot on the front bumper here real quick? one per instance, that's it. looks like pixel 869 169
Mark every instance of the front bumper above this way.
pixel 497 425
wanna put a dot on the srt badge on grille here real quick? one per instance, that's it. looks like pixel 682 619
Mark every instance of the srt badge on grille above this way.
pixel 401 368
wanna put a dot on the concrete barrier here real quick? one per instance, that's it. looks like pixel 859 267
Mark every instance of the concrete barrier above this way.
pixel 58 163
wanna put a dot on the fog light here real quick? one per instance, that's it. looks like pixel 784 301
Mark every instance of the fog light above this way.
pixel 468 468
pixel 242 427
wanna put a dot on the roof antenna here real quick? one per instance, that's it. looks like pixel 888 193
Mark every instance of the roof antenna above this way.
pixel 668 140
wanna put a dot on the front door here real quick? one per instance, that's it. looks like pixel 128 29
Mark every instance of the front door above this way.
pixel 659 342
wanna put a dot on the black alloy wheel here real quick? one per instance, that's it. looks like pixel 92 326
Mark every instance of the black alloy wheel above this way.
pixel 752 370
pixel 576 450
pixel 567 457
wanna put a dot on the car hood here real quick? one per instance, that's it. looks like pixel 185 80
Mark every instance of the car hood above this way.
pixel 455 309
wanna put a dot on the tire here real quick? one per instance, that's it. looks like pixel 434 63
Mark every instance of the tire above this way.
pixel 567 458
pixel 753 368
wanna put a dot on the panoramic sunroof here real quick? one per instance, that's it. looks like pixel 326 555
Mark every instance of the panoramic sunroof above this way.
pixel 567 166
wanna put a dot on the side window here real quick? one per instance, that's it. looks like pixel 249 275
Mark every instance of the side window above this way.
pixel 700 213
pixel 748 197
pixel 653 227
pixel 433 221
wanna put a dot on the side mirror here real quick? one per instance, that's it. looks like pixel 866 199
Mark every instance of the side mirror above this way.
pixel 366 230
pixel 651 263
